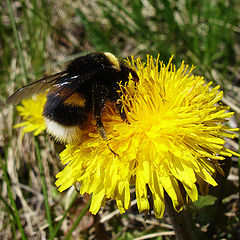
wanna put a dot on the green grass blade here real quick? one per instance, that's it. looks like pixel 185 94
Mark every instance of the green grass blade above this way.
pixel 79 218
pixel 17 40
pixel 98 37
pixel 239 175
pixel 9 209
pixel 44 186
pixel 13 203
pixel 64 216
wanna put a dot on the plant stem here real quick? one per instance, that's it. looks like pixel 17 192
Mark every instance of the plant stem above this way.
pixel 180 222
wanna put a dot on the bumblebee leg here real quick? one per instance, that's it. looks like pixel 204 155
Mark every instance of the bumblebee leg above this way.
pixel 100 127
pixel 121 111
pixel 98 100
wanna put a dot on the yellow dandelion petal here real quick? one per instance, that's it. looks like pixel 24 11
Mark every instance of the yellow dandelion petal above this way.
pixel 97 199
pixel 173 143
pixel 31 112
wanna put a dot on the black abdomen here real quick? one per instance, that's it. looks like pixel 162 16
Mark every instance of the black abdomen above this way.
pixel 65 113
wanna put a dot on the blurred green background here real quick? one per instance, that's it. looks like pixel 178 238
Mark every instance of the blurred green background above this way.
pixel 40 37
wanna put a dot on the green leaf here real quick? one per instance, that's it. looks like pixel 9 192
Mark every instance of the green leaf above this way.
pixel 205 201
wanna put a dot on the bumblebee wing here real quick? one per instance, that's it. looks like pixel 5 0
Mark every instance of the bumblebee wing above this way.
pixel 58 94
pixel 34 88
pixel 64 87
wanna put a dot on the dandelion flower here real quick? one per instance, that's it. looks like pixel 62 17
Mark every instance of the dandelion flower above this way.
pixel 174 141
pixel 31 111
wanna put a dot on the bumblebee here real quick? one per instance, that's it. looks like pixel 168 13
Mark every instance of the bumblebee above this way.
pixel 87 84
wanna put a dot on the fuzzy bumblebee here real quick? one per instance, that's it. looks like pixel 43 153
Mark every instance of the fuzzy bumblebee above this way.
pixel 82 90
